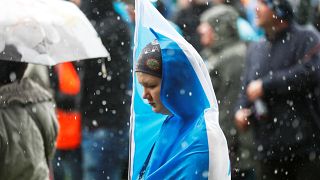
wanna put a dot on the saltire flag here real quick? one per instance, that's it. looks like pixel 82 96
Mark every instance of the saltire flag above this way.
pixel 190 143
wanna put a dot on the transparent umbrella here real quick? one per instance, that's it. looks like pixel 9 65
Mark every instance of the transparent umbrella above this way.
pixel 46 32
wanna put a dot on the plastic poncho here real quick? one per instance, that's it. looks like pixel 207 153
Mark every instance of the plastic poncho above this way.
pixel 188 144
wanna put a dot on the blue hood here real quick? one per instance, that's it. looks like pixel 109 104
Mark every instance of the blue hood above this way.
pixel 181 90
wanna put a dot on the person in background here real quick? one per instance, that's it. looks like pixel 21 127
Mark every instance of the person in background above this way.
pixel 224 53
pixel 28 125
pixel 65 83
pixel 275 95
pixel 188 19
pixel 316 16
pixel 105 104
pixel 250 15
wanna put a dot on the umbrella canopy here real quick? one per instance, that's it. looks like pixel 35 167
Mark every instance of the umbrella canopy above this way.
pixel 46 32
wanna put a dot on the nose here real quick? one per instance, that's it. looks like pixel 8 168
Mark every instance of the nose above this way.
pixel 146 94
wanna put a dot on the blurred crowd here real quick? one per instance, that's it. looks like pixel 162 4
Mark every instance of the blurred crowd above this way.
pixel 263 57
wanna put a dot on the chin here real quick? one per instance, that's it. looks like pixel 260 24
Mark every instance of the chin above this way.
pixel 156 110
pixel 161 111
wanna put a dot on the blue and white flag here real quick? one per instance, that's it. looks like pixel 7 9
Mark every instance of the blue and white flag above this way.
pixel 190 143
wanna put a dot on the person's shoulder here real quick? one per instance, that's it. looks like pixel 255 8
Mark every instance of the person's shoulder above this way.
pixel 24 91
pixel 255 45
pixel 306 31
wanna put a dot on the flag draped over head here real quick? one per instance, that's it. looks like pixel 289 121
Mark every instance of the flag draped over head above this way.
pixel 189 143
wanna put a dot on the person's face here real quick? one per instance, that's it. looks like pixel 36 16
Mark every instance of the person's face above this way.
pixel 265 16
pixel 206 34
pixel 151 91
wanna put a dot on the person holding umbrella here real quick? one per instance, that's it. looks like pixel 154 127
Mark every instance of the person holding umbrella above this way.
pixel 28 125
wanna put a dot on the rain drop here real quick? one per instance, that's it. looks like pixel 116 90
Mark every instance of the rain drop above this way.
pixel 184 144
pixel 95 123
pixel 205 174
pixel 182 91
pixel 12 76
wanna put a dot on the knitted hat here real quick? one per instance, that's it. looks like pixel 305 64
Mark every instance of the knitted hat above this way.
pixel 281 8
pixel 150 60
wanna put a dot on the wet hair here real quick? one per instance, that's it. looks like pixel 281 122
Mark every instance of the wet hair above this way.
pixel 150 60
pixel 11 71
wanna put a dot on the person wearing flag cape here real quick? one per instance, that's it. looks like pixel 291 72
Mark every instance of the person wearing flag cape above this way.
pixel 175 133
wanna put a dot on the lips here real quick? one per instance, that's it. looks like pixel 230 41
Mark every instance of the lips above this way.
pixel 152 104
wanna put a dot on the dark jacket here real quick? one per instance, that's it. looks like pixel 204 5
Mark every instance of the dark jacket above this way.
pixel 105 102
pixel 188 20
pixel 289 127
pixel 28 130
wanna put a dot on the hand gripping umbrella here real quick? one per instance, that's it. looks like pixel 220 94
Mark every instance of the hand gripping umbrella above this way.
pixel 46 32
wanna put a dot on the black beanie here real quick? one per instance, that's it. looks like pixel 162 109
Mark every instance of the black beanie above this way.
pixel 150 60
pixel 281 8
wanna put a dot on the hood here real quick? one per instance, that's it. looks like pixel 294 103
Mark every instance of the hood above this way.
pixel 223 20
pixel 181 90
pixel 23 92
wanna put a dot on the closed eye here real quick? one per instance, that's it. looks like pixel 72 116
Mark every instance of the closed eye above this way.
pixel 150 86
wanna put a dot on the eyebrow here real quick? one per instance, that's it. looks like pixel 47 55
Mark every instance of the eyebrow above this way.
pixel 143 83
pixel 146 84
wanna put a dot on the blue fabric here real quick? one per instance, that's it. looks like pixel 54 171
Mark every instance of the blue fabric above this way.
pixel 178 90
pixel 145 120
pixel 121 9
pixel 250 11
pixel 246 31
pixel 180 85
pixel 182 149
